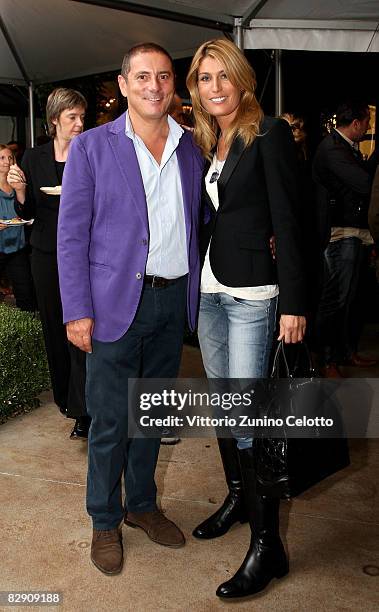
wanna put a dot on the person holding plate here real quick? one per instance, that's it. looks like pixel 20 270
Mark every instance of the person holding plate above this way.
pixel 37 196
pixel 14 260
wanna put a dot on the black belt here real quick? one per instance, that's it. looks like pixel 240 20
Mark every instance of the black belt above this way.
pixel 158 281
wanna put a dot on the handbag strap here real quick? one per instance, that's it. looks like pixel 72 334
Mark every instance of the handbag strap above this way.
pixel 280 352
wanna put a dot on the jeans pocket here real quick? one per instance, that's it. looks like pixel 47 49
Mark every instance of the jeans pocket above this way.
pixel 252 303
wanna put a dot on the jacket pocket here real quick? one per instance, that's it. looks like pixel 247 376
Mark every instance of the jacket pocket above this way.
pixel 95 264
pixel 251 240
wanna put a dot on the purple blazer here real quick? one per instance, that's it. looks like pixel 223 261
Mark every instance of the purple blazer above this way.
pixel 103 230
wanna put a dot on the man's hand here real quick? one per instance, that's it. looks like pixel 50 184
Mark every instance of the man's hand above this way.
pixel 79 332
pixel 292 328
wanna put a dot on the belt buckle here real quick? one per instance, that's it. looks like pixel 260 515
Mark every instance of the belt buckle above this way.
pixel 153 284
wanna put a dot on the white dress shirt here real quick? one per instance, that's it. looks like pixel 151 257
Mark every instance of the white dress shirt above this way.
pixel 167 255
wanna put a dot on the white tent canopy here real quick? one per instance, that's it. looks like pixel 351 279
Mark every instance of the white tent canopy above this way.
pixel 57 39
pixel 51 40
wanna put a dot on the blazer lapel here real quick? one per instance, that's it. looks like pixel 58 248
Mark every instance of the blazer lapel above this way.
pixel 205 195
pixel 232 160
pixel 185 162
pixel 48 164
pixel 127 162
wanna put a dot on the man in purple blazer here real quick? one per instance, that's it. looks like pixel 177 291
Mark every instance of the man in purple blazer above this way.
pixel 129 269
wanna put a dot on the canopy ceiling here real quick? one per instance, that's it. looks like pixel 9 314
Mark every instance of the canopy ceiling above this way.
pixel 58 39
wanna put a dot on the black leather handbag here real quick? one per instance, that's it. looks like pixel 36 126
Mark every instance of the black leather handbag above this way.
pixel 286 466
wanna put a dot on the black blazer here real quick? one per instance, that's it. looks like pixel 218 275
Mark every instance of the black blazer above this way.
pixel 39 167
pixel 343 183
pixel 259 197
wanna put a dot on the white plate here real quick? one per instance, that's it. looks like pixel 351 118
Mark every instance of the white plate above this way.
pixel 15 222
pixel 52 190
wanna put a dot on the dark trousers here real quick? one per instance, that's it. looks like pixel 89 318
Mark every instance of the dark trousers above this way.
pixel 17 268
pixel 334 327
pixel 67 364
pixel 151 348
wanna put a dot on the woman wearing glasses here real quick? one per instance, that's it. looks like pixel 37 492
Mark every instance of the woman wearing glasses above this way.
pixel 42 170
pixel 14 259
pixel 250 194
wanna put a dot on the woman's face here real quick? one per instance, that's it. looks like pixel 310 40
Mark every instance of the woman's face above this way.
pixel 70 122
pixel 6 159
pixel 217 94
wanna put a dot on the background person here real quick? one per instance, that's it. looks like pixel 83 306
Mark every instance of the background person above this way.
pixel 251 193
pixel 14 259
pixel 296 123
pixel 43 167
pixel 343 181
pixel 17 149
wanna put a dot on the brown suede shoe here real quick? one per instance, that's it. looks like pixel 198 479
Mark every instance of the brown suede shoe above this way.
pixel 158 527
pixel 106 550
pixel 331 371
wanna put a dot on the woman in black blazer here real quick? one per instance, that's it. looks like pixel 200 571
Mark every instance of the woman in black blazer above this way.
pixel 250 194
pixel 42 167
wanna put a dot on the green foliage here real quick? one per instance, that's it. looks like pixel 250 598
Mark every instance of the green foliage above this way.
pixel 23 364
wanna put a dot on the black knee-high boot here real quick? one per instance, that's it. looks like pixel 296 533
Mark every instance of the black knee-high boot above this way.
pixel 233 508
pixel 266 557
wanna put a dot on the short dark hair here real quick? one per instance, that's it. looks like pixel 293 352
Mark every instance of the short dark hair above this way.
pixel 148 47
pixel 350 110
pixel 59 100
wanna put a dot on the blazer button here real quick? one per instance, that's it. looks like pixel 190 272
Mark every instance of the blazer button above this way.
pixel 139 275
pixel 144 242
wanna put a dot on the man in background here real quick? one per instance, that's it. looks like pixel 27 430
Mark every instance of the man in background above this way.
pixel 344 181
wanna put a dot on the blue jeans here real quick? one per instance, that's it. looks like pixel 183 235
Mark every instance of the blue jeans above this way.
pixel 151 348
pixel 236 338
pixel 342 265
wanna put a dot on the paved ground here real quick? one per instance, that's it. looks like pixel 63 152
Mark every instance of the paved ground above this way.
pixel 331 532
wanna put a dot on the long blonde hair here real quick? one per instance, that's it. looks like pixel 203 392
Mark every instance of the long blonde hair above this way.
pixel 241 75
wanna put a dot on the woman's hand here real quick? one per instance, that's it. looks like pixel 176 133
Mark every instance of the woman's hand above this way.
pixel 273 247
pixel 3 226
pixel 291 328
pixel 16 178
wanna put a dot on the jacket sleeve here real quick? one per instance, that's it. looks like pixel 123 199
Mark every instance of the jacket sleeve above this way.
pixel 27 210
pixel 283 186
pixel 74 224
pixel 341 165
pixel 373 211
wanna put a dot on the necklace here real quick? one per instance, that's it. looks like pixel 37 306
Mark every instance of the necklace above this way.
pixel 221 150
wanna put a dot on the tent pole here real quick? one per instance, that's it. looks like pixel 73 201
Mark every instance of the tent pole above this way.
pixel 238 33
pixel 278 83
pixel 31 113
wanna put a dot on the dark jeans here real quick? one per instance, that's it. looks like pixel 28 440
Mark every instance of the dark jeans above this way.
pixel 67 363
pixel 17 268
pixel 334 328
pixel 151 348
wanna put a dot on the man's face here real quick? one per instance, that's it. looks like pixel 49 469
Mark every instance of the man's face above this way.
pixel 149 86
pixel 70 122
pixel 360 127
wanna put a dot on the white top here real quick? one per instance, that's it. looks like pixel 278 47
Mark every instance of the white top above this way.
pixel 167 255
pixel 209 284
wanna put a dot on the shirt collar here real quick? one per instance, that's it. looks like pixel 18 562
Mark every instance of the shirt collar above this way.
pixel 351 142
pixel 174 128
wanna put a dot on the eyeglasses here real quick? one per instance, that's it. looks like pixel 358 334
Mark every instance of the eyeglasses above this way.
pixel 214 176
